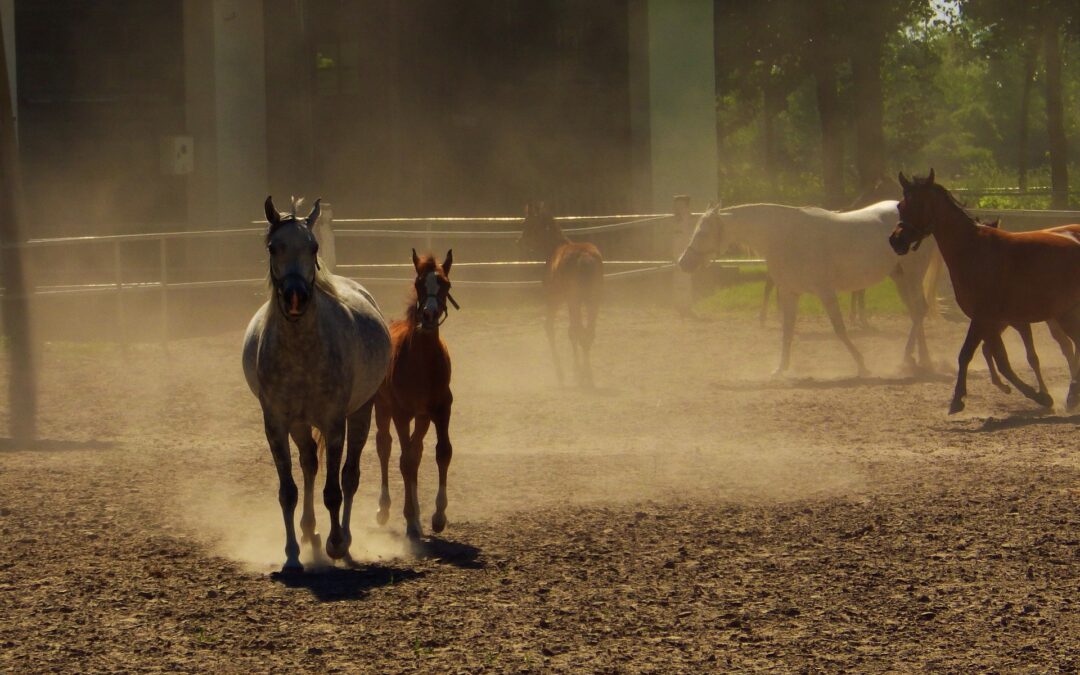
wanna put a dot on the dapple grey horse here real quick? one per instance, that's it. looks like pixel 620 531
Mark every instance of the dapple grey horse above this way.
pixel 314 355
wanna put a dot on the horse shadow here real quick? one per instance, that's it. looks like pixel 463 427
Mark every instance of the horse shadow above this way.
pixel 837 383
pixel 1018 419
pixel 454 553
pixel 52 445
pixel 352 582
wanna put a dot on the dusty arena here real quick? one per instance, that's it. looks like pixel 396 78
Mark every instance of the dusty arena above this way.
pixel 689 514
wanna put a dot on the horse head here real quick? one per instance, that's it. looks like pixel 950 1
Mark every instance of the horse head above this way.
pixel 540 234
pixel 432 286
pixel 916 213
pixel 294 260
pixel 708 238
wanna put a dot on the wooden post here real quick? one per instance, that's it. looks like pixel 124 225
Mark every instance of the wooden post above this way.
pixel 22 381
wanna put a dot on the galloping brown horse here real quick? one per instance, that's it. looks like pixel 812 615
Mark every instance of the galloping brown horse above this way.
pixel 417 387
pixel 574 274
pixel 1000 278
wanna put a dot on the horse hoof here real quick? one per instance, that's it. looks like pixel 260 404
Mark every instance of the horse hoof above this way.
pixel 314 537
pixel 337 549
pixel 292 567
pixel 956 406
pixel 438 522
pixel 382 516
pixel 1044 399
pixel 414 532
pixel 1072 401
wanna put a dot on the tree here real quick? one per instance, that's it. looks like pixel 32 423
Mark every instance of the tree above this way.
pixel 22 381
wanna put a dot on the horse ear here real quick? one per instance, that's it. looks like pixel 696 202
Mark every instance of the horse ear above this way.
pixel 904 182
pixel 272 215
pixel 448 262
pixel 314 215
pixel 416 261
pixel 930 178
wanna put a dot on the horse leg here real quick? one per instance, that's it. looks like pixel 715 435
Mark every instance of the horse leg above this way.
pixel 1032 356
pixel 994 379
pixel 789 304
pixel 383 443
pixel 577 337
pixel 443 452
pixel 911 293
pixel 765 300
pixel 549 326
pixel 858 308
pixel 832 308
pixel 277 435
pixel 1069 324
pixel 309 465
pixel 971 342
pixel 1066 345
pixel 588 335
pixel 1002 358
pixel 358 425
pixel 334 436
pixel 412 449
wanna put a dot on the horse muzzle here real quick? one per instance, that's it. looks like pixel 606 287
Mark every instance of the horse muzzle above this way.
pixel 294 296
pixel 899 240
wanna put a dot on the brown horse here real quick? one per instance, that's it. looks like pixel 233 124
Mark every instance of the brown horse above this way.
pixel 1024 329
pixel 999 277
pixel 417 387
pixel 574 274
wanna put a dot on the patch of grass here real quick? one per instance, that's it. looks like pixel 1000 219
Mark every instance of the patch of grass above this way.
pixel 881 298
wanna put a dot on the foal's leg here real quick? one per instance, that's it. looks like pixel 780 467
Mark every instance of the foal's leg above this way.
pixel 832 308
pixel 309 465
pixel 334 436
pixel 1066 345
pixel 443 452
pixel 383 443
pixel 592 311
pixel 994 379
pixel 1032 356
pixel 412 449
pixel 1001 356
pixel 971 342
pixel 1070 325
pixel 577 337
pixel 789 304
pixel 549 326
pixel 277 435
pixel 359 423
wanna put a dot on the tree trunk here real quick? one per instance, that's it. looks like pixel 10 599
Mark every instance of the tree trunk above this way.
pixel 1030 61
pixel 1055 119
pixel 869 127
pixel 832 142
pixel 770 110
pixel 22 381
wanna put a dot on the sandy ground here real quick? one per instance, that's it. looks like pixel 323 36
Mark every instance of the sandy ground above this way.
pixel 691 514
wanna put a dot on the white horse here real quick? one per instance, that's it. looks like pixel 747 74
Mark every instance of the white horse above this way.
pixel 811 250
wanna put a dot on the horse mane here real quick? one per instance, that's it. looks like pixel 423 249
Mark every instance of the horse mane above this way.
pixel 924 181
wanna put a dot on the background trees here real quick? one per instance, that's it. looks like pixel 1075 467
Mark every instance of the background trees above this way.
pixel 817 100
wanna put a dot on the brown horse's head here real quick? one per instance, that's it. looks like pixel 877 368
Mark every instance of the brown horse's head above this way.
pixel 294 258
pixel 432 288
pixel 708 238
pixel 540 234
pixel 916 211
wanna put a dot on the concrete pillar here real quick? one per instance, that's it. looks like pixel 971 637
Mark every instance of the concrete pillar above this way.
pixel 682 100
pixel 225 75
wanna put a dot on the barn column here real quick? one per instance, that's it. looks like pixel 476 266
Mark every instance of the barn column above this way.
pixel 225 79
pixel 682 101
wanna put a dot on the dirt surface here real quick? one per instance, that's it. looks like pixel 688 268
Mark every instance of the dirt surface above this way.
pixel 691 514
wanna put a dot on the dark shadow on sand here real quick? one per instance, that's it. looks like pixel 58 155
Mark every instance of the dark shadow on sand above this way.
pixel 449 552
pixel 841 383
pixel 48 445
pixel 1018 420
pixel 331 584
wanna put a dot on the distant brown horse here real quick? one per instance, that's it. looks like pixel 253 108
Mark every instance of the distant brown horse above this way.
pixel 573 274
pixel 999 277
pixel 417 387
pixel 1024 329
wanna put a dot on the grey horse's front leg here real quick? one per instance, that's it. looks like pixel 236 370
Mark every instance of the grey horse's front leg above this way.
pixel 789 305
pixel 832 308
pixel 911 293
pixel 334 436
pixel 358 425
pixel 277 435
pixel 309 465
